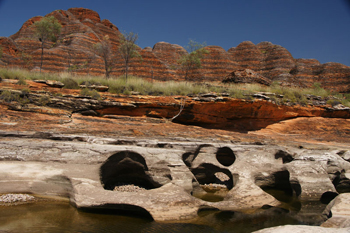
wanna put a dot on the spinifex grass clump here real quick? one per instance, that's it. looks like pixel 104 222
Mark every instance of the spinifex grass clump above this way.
pixel 92 93
pixel 21 97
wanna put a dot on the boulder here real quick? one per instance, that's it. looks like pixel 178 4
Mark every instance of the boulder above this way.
pixel 339 212
pixel 302 229
pixel 99 88
pixel 52 83
pixel 246 76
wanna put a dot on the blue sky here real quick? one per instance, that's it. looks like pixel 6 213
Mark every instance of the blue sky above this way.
pixel 317 29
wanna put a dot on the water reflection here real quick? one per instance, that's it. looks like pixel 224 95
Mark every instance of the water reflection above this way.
pixel 61 217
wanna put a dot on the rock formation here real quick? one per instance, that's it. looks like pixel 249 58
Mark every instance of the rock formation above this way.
pixel 213 112
pixel 223 154
pixel 82 28
pixel 163 176
pixel 121 152
pixel 246 76
pixel 302 229
pixel 338 210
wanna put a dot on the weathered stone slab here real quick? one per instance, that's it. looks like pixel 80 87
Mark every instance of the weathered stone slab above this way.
pixel 339 210
pixel 94 171
pixel 302 229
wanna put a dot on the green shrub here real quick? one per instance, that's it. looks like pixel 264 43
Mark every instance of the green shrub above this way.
pixel 319 91
pixel 57 94
pixel 333 102
pixel 92 93
pixel 70 83
pixel 25 91
pixel 21 81
pixel 44 100
pixel 9 96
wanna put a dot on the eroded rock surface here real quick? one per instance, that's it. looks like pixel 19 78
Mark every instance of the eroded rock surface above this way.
pixel 208 110
pixel 121 152
pixel 93 172
pixel 339 212
pixel 302 229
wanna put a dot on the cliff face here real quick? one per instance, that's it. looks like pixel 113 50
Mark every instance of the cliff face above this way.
pixel 82 28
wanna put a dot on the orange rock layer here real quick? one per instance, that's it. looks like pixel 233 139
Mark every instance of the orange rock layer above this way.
pixel 82 28
pixel 232 114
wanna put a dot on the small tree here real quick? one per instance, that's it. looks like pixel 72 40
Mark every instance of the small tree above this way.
pixel 128 49
pixel 47 29
pixel 27 59
pixel 1 52
pixel 104 50
pixel 193 59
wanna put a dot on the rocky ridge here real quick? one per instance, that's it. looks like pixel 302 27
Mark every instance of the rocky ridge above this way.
pixel 208 110
pixel 82 28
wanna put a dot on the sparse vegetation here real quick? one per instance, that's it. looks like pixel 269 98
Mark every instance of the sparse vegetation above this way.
pixel 128 49
pixel 44 100
pixel 25 91
pixel 92 93
pixel 27 59
pixel 104 50
pixel 1 52
pixel 21 81
pixel 13 96
pixel 191 61
pixel 70 83
pixel 47 29
pixel 9 96
pixel 118 85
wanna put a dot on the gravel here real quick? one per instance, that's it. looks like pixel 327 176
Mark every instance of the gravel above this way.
pixel 128 188
pixel 12 198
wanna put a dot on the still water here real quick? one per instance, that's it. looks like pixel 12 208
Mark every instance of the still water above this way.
pixel 59 216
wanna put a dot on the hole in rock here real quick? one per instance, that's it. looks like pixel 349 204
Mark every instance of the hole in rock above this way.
pixel 126 171
pixel 328 197
pixel 188 158
pixel 119 209
pixel 296 187
pixel 212 183
pixel 207 174
pixel 286 157
pixel 278 184
pixel 225 156
pixel 341 182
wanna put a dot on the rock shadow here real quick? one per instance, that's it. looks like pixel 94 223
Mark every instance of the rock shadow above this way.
pixel 211 182
pixel 211 176
pixel 286 157
pixel 279 185
pixel 120 209
pixel 327 197
pixel 129 169
pixel 341 182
